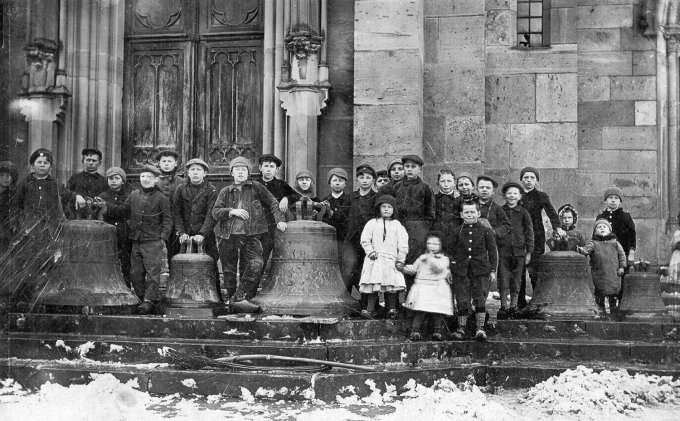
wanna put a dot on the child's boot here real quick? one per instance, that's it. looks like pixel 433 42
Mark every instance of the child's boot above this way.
pixel 480 318
pixel 391 301
pixel 437 328
pixel 613 305
pixel 368 311
pixel 417 324
pixel 459 333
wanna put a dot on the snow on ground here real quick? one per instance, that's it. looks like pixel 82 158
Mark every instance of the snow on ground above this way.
pixel 578 394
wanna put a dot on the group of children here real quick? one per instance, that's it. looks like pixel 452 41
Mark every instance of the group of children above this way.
pixel 394 233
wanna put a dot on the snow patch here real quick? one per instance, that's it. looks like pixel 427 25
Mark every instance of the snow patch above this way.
pixel 236 332
pixel 115 348
pixel 60 344
pixel 190 383
pixel 83 349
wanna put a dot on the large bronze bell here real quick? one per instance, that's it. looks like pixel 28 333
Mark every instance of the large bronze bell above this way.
pixel 641 297
pixel 192 284
pixel 87 278
pixel 305 276
pixel 564 287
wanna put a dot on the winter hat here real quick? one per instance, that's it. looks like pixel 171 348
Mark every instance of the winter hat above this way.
pixel 11 169
pixel 41 152
pixel 167 152
pixel 338 172
pixel 116 171
pixel 150 168
pixel 494 183
pixel 304 173
pixel 413 158
pixel 382 173
pixel 240 161
pixel 270 158
pixel 529 169
pixel 466 175
pixel 392 162
pixel 509 184
pixel 602 222
pixel 365 168
pixel 312 189
pixel 568 208
pixel 386 198
pixel 198 161
pixel 613 191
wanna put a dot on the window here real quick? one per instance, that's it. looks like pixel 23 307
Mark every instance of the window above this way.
pixel 533 23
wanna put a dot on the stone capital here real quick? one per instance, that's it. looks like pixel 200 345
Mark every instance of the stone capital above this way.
pixel 44 106
pixel 304 99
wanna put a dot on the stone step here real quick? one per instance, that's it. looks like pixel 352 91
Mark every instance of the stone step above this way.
pixel 324 385
pixel 295 329
pixel 369 352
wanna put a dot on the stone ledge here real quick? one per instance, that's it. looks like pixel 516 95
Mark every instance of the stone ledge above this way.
pixel 562 58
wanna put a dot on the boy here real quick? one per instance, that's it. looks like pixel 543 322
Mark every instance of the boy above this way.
pixel 446 216
pixel 491 212
pixel 338 204
pixel 416 208
pixel 395 170
pixel 87 183
pixel 382 179
pixel 239 213
pixel 535 201
pixel 622 224
pixel 192 211
pixel 475 259
pixel 167 183
pixel 113 205
pixel 8 188
pixel 150 225
pixel 269 165
pixel 360 212
pixel 514 249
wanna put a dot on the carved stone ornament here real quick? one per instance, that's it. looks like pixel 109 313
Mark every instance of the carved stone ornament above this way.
pixel 303 43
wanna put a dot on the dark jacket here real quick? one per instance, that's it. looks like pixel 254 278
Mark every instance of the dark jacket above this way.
pixel 192 209
pixel 167 184
pixel 279 189
pixel 520 241
pixel 87 184
pixel 493 212
pixel 447 218
pixel 415 201
pixel 606 257
pixel 622 226
pixel 534 202
pixel 361 211
pixel 474 248
pixel 39 198
pixel 340 207
pixel 117 213
pixel 150 215
pixel 253 197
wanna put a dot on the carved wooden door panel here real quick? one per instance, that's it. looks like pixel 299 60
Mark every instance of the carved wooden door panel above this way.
pixel 193 80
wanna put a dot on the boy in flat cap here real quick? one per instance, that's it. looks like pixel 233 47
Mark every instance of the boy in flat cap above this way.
pixel 338 203
pixel 150 226
pixel 167 183
pixel 240 214
pixel 112 200
pixel 282 191
pixel 87 183
pixel 535 202
pixel 489 210
pixel 360 212
pixel 192 211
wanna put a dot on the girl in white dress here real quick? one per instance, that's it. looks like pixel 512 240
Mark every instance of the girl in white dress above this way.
pixel 430 297
pixel 385 242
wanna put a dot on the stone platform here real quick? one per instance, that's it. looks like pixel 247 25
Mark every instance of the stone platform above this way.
pixel 520 353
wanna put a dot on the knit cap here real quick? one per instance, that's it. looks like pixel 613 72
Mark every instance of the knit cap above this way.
pixel 150 168
pixel 602 222
pixel 240 161
pixel 198 161
pixel 116 171
pixel 531 170
pixel 338 172
pixel 465 175
pixel 613 191
pixel 392 162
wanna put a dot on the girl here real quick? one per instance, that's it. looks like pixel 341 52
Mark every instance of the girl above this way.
pixel 385 242
pixel 430 297
pixel 573 237
pixel 304 186
pixel 8 187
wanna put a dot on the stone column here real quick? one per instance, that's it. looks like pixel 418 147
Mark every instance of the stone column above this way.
pixel 93 45
pixel 42 100
pixel 388 80
pixel 302 91
pixel 672 35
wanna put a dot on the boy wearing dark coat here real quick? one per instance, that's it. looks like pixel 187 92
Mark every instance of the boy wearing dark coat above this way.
pixel 514 249
pixel 8 188
pixel 192 211
pixel 113 199
pixel 447 216
pixel 489 210
pixel 150 225
pixel 338 203
pixel 361 211
pixel 87 183
pixel 475 259
pixel 535 201
pixel 240 217
pixel 167 183
pixel 395 171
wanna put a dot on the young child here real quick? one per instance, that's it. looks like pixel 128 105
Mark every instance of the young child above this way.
pixel 574 237
pixel 305 188
pixel 382 179
pixel 192 211
pixel 8 188
pixel 491 213
pixel 338 204
pixel 241 221
pixel 167 184
pixel 475 258
pixel 535 202
pixel 87 183
pixel 385 244
pixel 360 212
pixel 416 208
pixel 607 264
pixel 430 297
pixel 446 216
pixel 150 226
pixel 514 249
pixel 621 223
pixel 269 165
pixel 395 171
pixel 113 201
